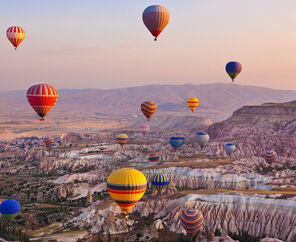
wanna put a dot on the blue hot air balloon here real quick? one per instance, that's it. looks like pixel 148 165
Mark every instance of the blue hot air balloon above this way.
pixel 233 69
pixel 9 209
pixel 229 148
pixel 177 142
pixel 202 138
pixel 159 182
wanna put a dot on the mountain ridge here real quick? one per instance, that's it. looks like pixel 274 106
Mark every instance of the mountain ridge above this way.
pixel 217 100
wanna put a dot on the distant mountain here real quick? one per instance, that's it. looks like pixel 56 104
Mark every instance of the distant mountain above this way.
pixel 217 101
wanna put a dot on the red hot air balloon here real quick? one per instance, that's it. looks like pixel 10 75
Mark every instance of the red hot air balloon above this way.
pixel 15 35
pixel 42 97
pixel 156 18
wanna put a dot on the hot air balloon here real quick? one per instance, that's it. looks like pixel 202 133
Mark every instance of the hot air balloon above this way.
pixel 156 18
pixel 154 157
pixel 177 142
pixel 202 138
pixel 233 69
pixel 270 156
pixel 229 148
pixel 191 221
pixel 15 35
pixel 48 141
pixel 192 103
pixel 144 129
pixel 121 139
pixel 9 209
pixel 159 182
pixel 148 109
pixel 126 187
pixel 42 97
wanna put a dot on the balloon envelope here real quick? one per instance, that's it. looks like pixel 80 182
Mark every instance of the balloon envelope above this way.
pixel 144 129
pixel 154 157
pixel 192 103
pixel 15 35
pixel 121 139
pixel 148 109
pixel 233 69
pixel 42 97
pixel 126 187
pixel 48 141
pixel 202 138
pixel 159 182
pixel 156 18
pixel 191 220
pixel 177 142
pixel 229 148
pixel 270 156
pixel 9 209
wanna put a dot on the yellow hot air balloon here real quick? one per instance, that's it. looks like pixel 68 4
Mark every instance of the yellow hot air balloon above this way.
pixel 192 103
pixel 126 187
pixel 121 139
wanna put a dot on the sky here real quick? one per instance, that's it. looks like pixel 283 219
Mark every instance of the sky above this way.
pixel 104 44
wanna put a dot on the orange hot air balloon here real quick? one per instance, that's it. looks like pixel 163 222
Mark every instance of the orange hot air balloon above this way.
pixel 156 18
pixel 148 109
pixel 15 35
pixel 42 97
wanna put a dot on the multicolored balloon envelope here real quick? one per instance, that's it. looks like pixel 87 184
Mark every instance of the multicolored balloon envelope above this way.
pixel 148 109
pixel 202 138
pixel 42 97
pixel 154 157
pixel 229 148
pixel 177 142
pixel 192 103
pixel 191 220
pixel 233 69
pixel 48 141
pixel 9 209
pixel 159 182
pixel 121 139
pixel 126 187
pixel 156 18
pixel 144 129
pixel 15 35
pixel 270 156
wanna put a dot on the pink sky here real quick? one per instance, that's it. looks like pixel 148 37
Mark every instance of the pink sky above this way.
pixel 102 44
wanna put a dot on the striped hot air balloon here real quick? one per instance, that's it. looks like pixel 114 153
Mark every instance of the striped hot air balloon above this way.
pixel 48 141
pixel 148 109
pixel 192 103
pixel 42 97
pixel 233 69
pixel 154 157
pixel 15 35
pixel 191 220
pixel 270 156
pixel 144 129
pixel 159 182
pixel 126 187
pixel 156 18
pixel 9 209
pixel 177 142
pixel 121 139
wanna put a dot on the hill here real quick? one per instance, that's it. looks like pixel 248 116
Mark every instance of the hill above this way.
pixel 217 101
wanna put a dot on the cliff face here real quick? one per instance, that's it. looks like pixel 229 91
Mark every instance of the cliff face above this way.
pixel 266 119
pixel 229 213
